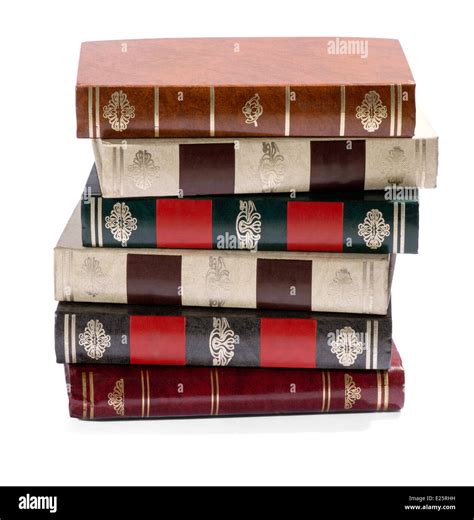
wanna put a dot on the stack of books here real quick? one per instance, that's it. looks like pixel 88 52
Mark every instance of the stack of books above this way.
pixel 234 247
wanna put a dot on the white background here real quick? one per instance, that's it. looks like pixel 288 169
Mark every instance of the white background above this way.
pixel 43 169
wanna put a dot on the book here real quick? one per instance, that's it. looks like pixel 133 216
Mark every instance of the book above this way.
pixel 143 391
pixel 218 87
pixel 307 281
pixel 223 166
pixel 365 222
pixel 193 336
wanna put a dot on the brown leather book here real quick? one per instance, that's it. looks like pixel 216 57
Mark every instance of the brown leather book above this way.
pixel 218 87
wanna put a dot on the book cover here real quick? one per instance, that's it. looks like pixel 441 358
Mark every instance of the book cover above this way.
pixel 218 87
pixel 193 336
pixel 307 281
pixel 143 391
pixel 365 222
pixel 224 166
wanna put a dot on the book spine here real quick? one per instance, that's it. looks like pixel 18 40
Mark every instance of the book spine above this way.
pixel 142 391
pixel 244 279
pixel 326 111
pixel 215 338
pixel 272 223
pixel 168 168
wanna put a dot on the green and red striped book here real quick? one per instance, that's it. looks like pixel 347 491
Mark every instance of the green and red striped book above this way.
pixel 367 222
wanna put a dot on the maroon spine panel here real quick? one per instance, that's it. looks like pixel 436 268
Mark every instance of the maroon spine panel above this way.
pixel 115 392
pixel 125 112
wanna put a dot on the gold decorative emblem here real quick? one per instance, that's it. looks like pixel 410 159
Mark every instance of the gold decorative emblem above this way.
pixel 271 167
pixel 252 110
pixel 119 111
pixel 371 111
pixel 342 277
pixel 94 339
pixel 342 287
pixel 347 346
pixel 221 342
pixel 121 223
pixel 143 171
pixel 94 277
pixel 218 283
pixel 352 392
pixel 396 166
pixel 116 399
pixel 248 225
pixel 374 229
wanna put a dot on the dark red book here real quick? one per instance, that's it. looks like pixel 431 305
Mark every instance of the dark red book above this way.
pixel 208 87
pixel 142 391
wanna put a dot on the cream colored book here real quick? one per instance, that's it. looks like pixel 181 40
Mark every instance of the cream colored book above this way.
pixel 206 166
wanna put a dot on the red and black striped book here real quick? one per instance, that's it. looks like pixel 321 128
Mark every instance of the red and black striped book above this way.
pixel 143 391
pixel 151 335
pixel 206 87
pixel 365 222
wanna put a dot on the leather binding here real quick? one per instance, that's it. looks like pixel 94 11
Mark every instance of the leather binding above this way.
pixel 223 166
pixel 306 281
pixel 143 391
pixel 151 335
pixel 365 222
pixel 222 87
